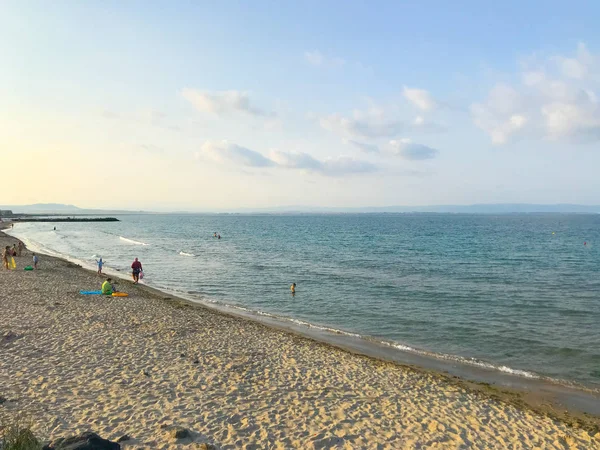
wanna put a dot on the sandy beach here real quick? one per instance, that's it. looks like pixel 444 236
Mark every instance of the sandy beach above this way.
pixel 144 364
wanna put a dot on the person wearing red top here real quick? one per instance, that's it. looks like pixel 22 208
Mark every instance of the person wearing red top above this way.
pixel 137 268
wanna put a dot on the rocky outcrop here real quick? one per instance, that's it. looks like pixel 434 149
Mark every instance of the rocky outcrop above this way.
pixel 84 441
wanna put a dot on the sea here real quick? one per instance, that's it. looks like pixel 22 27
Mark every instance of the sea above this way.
pixel 513 293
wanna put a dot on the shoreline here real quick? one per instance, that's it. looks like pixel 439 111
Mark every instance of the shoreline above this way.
pixel 543 403
pixel 569 395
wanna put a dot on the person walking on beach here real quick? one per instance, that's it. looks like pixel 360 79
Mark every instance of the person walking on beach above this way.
pixel 100 264
pixel 137 268
pixel 36 260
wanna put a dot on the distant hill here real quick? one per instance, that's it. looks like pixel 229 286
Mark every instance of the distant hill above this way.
pixel 497 208
pixel 59 208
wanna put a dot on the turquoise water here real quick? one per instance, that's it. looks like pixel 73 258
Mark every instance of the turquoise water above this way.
pixel 520 293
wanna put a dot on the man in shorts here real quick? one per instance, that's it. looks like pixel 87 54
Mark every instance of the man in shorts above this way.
pixel 136 268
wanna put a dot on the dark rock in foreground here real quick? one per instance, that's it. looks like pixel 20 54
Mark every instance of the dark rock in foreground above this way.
pixel 85 441
pixel 180 433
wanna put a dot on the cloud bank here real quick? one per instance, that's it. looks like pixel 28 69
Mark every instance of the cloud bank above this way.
pixel 227 153
pixel 555 100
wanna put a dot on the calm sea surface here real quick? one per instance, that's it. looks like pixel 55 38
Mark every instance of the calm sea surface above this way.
pixel 520 293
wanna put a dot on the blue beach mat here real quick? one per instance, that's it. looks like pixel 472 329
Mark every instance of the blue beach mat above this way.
pixel 90 292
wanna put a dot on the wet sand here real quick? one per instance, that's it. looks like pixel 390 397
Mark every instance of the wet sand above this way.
pixel 143 364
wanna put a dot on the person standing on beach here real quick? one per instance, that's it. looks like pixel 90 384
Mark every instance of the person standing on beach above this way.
pixel 137 268
pixel 100 264
pixel 20 248
pixel 5 256
pixel 14 250
pixel 36 260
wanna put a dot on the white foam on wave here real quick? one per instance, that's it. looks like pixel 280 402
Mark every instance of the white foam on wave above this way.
pixel 463 360
pixel 182 253
pixel 131 241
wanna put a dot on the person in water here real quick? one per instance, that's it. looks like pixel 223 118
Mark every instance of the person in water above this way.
pixel 136 268
pixel 218 236
pixel 100 264
pixel 107 287
pixel 293 288
pixel 215 234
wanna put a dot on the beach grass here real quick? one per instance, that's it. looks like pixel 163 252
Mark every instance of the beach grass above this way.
pixel 16 434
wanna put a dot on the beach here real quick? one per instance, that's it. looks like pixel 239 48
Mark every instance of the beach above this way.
pixel 141 365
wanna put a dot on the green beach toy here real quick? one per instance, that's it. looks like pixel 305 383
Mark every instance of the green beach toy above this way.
pixel 28 268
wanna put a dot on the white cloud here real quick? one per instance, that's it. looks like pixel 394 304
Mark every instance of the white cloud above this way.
pixel 412 151
pixel 555 101
pixel 227 153
pixel 342 165
pixel 316 58
pixel 368 124
pixel 420 98
pixel 222 102
pixel 365 147
pixel 577 67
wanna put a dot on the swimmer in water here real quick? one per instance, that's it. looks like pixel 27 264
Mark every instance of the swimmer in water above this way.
pixel 293 288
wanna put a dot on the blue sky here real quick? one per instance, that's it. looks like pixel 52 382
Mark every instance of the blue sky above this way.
pixel 210 105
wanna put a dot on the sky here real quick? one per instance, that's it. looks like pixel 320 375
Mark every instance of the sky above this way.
pixel 218 105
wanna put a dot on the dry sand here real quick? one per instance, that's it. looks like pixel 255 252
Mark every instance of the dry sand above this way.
pixel 142 364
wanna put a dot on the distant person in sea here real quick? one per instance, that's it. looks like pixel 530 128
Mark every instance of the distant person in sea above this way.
pixel 218 236
pixel 36 260
pixel 20 248
pixel 54 228
pixel 293 288
pixel 136 268
pixel 100 264
pixel 215 235
pixel 107 287
pixel 5 256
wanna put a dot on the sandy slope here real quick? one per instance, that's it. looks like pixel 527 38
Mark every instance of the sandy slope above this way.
pixel 142 364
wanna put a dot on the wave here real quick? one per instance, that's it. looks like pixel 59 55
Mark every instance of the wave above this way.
pixel 182 253
pixel 131 241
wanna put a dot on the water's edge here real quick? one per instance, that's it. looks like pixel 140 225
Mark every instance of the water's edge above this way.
pixel 538 391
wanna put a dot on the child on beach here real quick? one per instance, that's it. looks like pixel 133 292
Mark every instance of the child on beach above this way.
pixel 100 264
pixel 107 287
pixel 35 261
